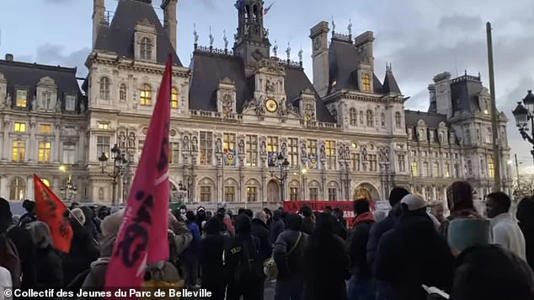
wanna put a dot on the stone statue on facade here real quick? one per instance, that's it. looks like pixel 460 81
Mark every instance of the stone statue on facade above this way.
pixel 34 104
pixel 218 145
pixel 131 140
pixel 322 152
pixel 241 146
pixel 122 140
pixel 194 144
pixel 263 148
pixel 58 105
pixel 186 143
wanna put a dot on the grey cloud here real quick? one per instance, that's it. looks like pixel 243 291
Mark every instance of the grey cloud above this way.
pixel 460 23
pixel 54 54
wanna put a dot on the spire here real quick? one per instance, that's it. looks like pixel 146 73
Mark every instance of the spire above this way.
pixel 390 84
pixel 251 40
pixel 195 34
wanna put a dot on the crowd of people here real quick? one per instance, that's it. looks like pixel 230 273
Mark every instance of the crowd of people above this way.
pixel 414 252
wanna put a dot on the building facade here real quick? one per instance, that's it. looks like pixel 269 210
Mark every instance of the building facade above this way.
pixel 236 114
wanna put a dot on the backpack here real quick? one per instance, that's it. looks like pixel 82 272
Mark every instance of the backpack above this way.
pixel 270 269
pixel 249 263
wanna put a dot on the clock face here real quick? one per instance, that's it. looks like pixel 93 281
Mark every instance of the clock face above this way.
pixel 271 105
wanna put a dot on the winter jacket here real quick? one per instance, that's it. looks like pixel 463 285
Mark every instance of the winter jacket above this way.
pixel 96 278
pixel 411 254
pixel 292 265
pixel 507 234
pixel 242 261
pixel 357 249
pixel 308 224
pixel 82 253
pixel 22 239
pixel 262 232
pixel 195 232
pixel 211 258
pixel 276 228
pixel 48 270
pixel 376 233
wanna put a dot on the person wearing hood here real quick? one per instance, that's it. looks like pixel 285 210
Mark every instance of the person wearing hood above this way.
pixel 525 216
pixel 361 286
pixel 91 225
pixel 201 216
pixel 47 263
pixel 110 226
pixel 211 259
pixel 414 253
pixel 277 225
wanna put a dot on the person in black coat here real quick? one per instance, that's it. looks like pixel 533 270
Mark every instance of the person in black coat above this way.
pixel 327 262
pixel 308 222
pixel 525 216
pixel 243 266
pixel 361 286
pixel 262 232
pixel 211 249
pixel 277 225
pixel 414 253
pixel 47 263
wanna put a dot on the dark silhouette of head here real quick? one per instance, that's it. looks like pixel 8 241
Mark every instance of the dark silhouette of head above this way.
pixel 306 211
pixel 525 211
pixel 294 221
pixel 328 209
pixel 361 207
pixel 396 195
pixel 190 215
pixel 497 203
pixel 29 206
pixel 6 218
pixel 460 196
pixel 491 273
pixel 213 226
pixel 243 225
pixel 325 223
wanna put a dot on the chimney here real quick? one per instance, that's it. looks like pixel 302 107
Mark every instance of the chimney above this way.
pixel 321 73
pixel 169 20
pixel 99 10
pixel 9 57
pixel 364 43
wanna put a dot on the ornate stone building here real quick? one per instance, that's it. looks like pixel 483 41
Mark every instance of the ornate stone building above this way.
pixel 235 111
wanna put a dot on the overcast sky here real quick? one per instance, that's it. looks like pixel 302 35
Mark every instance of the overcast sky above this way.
pixel 419 37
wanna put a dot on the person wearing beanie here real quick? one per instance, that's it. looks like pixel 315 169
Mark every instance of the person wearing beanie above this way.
pixel 47 264
pixel 414 253
pixel 29 216
pixel 243 263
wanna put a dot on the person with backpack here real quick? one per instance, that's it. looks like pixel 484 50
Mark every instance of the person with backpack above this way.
pixel 211 259
pixel 287 254
pixel 242 262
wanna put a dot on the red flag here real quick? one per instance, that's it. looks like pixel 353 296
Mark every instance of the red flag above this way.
pixel 51 210
pixel 143 235
pixel 267 9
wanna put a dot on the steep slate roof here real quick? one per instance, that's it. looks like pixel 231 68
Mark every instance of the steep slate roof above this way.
pixel 432 120
pixel 390 84
pixel 465 91
pixel 27 76
pixel 344 60
pixel 118 37
pixel 208 69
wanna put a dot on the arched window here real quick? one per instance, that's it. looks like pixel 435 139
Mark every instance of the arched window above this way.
pixel 122 93
pixel 104 88
pixel 174 98
pixel 370 118
pixel 17 189
pixel 353 117
pixel 361 117
pixel 398 120
pixel 383 120
pixel 146 95
pixel 146 48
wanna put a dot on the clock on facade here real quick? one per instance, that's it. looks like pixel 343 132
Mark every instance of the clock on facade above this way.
pixel 271 105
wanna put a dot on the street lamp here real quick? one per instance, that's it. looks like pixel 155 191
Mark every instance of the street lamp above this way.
pixel 523 114
pixel 119 167
pixel 283 165
pixel 69 189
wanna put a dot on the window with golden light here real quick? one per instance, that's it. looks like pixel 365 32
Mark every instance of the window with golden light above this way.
pixel 22 98
pixel 18 151
pixel 174 98
pixel 414 169
pixel 20 127
pixel 491 167
pixel 366 82
pixel 272 144
pixel 146 95
pixel 45 129
pixel 44 152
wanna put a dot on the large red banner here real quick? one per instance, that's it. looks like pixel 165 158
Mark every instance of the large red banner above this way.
pixel 345 206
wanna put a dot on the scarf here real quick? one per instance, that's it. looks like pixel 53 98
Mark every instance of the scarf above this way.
pixel 365 217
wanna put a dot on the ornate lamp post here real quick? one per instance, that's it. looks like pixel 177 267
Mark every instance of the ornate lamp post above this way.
pixel 69 189
pixel 523 114
pixel 119 167
pixel 283 165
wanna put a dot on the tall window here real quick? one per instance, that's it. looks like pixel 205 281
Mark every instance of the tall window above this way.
pixel 69 154
pixel 293 151
pixel 331 154
pixel 104 88
pixel 146 48
pixel 146 95
pixel 353 117
pixel 370 122
pixel 456 170
pixel 229 193
pixel 293 193
pixel 435 169
pixel 469 167
pixel 174 98
pixel 467 136
pixel 102 145
pixel 491 167
pixel 312 152
pixel 122 93
pixel 383 120
pixel 314 194
pixel 229 147
pixel 414 169
pixel 355 161
pixel 206 147
pixel 373 165
pixel 332 194
pixel 252 150
pixel 44 152
pixel 366 82
pixel 272 144
pixel 70 103
pixel 18 151
pixel 398 120
pixel 45 129
pixel 174 153
pixel 205 193
pixel 17 189
pixel 22 98
pixel 252 194
pixel 447 170
pixel 361 117
pixel 402 162
pixel 20 127
pixel 426 170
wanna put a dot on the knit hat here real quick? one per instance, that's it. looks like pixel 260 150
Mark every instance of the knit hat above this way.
pixel 413 202
pixel 40 234
pixel 111 224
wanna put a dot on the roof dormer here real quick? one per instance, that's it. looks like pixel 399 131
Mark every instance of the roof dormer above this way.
pixel 145 41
